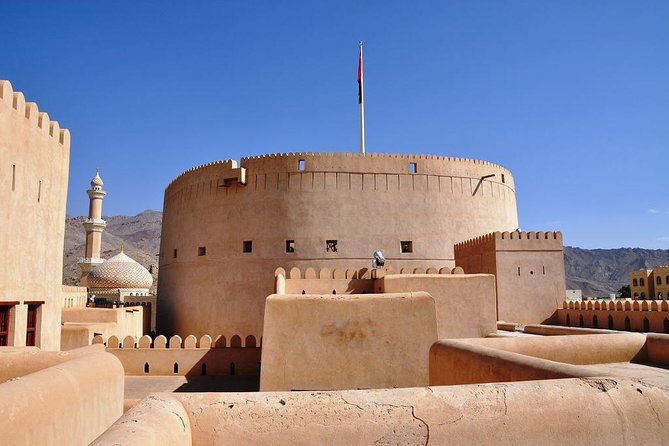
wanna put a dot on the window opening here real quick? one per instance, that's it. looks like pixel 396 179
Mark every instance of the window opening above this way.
pixel 13 177
pixel 31 325
pixel 247 246
pixel 146 367
pixel 300 165
pixel 232 369
pixel 406 246
pixel 202 251
pixel 4 324
pixel 519 270
pixel 658 281
pixel 646 324
pixel 174 254
pixel 290 245
pixel 204 369
pixel 176 367
pixel 331 245
pixel 610 322
pixel 412 168
pixel 39 191
pixel 503 180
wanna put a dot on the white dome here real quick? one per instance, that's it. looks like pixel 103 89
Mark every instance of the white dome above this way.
pixel 120 272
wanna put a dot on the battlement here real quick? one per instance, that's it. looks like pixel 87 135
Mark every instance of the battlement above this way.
pixel 177 342
pixel 310 273
pixel 618 305
pixel 516 240
pixel 225 164
pixel 30 112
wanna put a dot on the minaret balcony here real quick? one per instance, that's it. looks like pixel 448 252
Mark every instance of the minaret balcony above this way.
pixel 94 224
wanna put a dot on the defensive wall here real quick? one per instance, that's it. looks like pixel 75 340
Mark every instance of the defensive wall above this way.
pixel 227 228
pixel 628 315
pixel 75 296
pixel 34 155
pixel 464 303
pixel 474 361
pixel 347 341
pixel 528 268
pixel 80 325
pixel 190 356
pixel 619 412
pixel 58 397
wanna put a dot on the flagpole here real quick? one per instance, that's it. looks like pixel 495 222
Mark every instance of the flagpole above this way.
pixel 362 102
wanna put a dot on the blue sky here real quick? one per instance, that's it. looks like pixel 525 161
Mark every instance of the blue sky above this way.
pixel 572 97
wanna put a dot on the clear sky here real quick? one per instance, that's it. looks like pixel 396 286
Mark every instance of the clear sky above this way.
pixel 571 96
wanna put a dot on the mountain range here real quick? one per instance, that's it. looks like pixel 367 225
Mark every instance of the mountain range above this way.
pixel 598 272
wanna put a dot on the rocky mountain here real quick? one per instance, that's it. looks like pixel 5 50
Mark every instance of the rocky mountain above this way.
pixel 139 235
pixel 597 272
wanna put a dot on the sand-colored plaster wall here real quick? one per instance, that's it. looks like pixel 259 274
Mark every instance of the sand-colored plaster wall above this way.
pixel 80 325
pixel 70 403
pixel 74 296
pixel 465 304
pixel 512 413
pixel 347 341
pixel 365 202
pixel 20 361
pixel 629 319
pixel 34 160
pixel 245 361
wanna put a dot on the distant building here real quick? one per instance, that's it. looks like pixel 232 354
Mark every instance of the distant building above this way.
pixel 574 295
pixel 650 283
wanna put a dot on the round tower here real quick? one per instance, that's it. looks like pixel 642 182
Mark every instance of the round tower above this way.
pixel 226 228
pixel 94 225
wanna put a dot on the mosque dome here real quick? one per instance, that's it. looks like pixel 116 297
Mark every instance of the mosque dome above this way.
pixel 97 181
pixel 120 272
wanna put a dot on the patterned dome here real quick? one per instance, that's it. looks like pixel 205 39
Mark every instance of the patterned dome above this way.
pixel 120 272
pixel 97 181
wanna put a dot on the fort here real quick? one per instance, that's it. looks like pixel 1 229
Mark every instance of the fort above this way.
pixel 457 332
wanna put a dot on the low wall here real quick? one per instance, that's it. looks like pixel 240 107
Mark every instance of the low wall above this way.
pixel 556 330
pixel 75 296
pixel 512 413
pixel 68 403
pixel 81 325
pixel 21 361
pixel 145 357
pixel 627 315
pixel 465 303
pixel 529 358
pixel 347 341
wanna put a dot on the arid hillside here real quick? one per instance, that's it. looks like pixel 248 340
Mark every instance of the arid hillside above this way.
pixel 597 272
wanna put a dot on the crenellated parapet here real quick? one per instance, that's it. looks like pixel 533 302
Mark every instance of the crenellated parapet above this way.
pixel 177 342
pixel 29 111
pixel 513 241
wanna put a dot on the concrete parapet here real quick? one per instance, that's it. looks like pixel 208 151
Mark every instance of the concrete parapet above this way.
pixel 357 340
pixel 529 412
pixel 72 402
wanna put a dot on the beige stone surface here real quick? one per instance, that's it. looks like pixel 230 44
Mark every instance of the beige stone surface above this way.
pixel 69 403
pixel 34 155
pixel 465 304
pixel 528 413
pixel 366 203
pixel 347 341
pixel 528 268
pixel 80 325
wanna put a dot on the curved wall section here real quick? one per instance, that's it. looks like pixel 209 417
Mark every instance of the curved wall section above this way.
pixel 222 240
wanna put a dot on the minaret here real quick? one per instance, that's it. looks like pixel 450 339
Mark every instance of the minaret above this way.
pixel 94 225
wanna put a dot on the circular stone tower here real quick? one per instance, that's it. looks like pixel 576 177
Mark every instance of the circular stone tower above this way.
pixel 227 228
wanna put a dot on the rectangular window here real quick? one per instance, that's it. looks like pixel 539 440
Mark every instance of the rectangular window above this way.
pixel 331 245
pixel 412 168
pixel 503 178
pixel 247 246
pixel 13 177
pixel 406 246
pixel 519 270
pixel 174 253
pixel 4 324
pixel 290 245
pixel 39 191
pixel 31 325
pixel 300 165
pixel 202 251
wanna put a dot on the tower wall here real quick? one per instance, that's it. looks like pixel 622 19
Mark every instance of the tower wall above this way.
pixel 365 203
pixel 34 161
